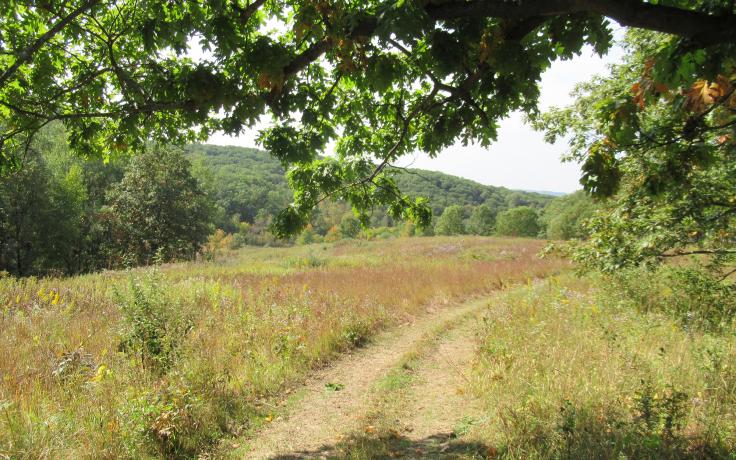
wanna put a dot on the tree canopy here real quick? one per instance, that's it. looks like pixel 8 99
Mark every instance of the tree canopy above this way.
pixel 378 78
pixel 159 208
pixel 565 217
pixel 482 220
pixel 521 221
pixel 451 221
pixel 666 156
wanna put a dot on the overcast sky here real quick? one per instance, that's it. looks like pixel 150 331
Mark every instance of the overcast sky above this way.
pixel 520 159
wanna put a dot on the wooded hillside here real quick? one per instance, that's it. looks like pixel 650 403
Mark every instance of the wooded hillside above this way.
pixel 247 180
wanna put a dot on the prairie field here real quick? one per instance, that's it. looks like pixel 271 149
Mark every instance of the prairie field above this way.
pixel 442 347
pixel 166 361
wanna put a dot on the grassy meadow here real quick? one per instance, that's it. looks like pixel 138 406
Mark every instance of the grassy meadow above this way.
pixel 182 360
pixel 566 369
pixel 166 361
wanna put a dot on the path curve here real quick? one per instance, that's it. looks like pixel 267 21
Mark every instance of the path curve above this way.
pixel 323 416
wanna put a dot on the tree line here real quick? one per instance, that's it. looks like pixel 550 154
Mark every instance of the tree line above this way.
pixel 62 214
pixel 563 218
pixel 65 214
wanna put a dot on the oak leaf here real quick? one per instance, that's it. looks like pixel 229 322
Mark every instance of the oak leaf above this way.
pixel 704 93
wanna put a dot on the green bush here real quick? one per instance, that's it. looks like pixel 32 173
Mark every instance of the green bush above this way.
pixel 349 226
pixel 308 261
pixel 381 233
pixel 701 299
pixel 357 333
pixel 307 236
pixel 154 325
pixel 697 298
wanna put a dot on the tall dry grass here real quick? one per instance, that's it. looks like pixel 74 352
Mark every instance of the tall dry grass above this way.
pixel 73 386
pixel 568 371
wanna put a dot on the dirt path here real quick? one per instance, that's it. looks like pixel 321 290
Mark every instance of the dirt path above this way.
pixel 337 403
pixel 440 407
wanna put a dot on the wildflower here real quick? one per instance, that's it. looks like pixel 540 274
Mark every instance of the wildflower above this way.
pixel 112 426
pixel 101 373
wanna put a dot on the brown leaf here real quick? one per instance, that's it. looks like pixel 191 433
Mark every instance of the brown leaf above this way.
pixel 661 88
pixel 704 93
pixel 638 92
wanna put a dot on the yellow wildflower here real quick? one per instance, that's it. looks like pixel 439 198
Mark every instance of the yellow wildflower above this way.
pixel 101 373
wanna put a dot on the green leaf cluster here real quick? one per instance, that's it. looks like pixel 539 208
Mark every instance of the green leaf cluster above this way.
pixel 655 140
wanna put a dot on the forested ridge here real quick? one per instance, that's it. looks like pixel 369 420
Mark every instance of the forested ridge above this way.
pixel 247 180
pixel 62 214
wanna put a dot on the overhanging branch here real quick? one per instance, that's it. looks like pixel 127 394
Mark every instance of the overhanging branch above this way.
pixel 27 54
pixel 706 29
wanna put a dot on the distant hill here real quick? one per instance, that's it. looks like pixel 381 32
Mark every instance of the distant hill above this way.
pixel 244 180
pixel 547 192
pixel 247 180
pixel 445 190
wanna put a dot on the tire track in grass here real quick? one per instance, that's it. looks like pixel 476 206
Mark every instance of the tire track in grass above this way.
pixel 337 400
pixel 422 408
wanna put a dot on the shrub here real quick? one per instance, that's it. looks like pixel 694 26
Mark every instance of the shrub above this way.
pixel 701 299
pixel 695 297
pixel 307 236
pixel 153 325
pixel 349 226
pixel 217 244
pixel 357 333
pixel 308 261
pixel 332 235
